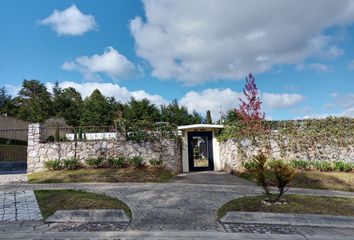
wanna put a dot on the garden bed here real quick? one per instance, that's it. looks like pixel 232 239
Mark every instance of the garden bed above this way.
pixel 342 181
pixel 129 174
pixel 299 204
pixel 50 201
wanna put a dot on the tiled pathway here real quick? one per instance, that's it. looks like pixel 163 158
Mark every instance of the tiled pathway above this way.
pixel 17 205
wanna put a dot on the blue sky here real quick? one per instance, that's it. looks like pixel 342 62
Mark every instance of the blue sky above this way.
pixel 196 51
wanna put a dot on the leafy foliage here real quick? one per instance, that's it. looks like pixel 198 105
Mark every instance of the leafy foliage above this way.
pixel 250 108
pixel 69 103
pixel 156 163
pixel 71 163
pixel 283 172
pixel 116 162
pixel 342 166
pixel 178 115
pixel 34 102
pixel 52 165
pixel 283 175
pixel 302 165
pixel 96 110
pixel 136 161
pixel 322 165
pixel 95 162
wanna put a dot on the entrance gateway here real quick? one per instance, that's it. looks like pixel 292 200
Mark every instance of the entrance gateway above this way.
pixel 200 148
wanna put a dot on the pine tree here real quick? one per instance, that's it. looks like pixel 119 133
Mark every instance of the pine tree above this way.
pixel 35 103
pixel 208 118
pixel 96 110
pixel 177 115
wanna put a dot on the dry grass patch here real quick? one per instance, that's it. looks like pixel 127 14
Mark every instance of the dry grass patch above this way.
pixel 296 204
pixel 143 174
pixel 342 181
pixel 50 201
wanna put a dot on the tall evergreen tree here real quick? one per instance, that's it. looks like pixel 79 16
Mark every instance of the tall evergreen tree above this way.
pixel 35 103
pixel 177 115
pixel 67 103
pixel 96 110
pixel 208 118
pixel 7 105
pixel 141 110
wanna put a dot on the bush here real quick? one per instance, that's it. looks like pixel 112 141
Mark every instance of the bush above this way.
pixel 249 165
pixel 136 161
pixel 283 173
pixel 53 165
pixel 259 162
pixel 116 162
pixel 323 166
pixel 156 163
pixel 94 162
pixel 71 163
pixel 302 165
pixel 342 166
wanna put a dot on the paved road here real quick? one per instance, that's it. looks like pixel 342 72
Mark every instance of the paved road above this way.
pixel 176 206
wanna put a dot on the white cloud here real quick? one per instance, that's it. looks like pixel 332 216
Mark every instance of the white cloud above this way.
pixel 351 65
pixel 187 41
pixel 344 103
pixel 211 99
pixel 317 67
pixel 111 63
pixel 281 100
pixel 70 22
pixel 111 90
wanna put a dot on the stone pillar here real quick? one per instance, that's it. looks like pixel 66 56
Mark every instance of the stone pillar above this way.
pixel 34 134
pixel 35 137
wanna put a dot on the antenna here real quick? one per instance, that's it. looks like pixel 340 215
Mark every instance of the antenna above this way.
pixel 220 114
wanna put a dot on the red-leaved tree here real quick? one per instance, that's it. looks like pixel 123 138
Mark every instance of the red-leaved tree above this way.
pixel 250 108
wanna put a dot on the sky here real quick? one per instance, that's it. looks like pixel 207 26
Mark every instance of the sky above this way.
pixel 196 51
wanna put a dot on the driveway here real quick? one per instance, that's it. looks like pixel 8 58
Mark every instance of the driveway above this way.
pixel 179 205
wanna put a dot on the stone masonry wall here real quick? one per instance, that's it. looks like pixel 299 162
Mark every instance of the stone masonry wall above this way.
pixel 38 152
pixel 233 153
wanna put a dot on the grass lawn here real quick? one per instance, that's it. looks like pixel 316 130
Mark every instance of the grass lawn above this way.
pixel 144 174
pixel 296 204
pixel 342 181
pixel 50 201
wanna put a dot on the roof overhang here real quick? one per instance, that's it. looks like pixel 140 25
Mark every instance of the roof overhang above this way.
pixel 200 126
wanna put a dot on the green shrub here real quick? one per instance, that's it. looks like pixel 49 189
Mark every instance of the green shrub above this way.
pixel 302 165
pixel 249 165
pixel 342 166
pixel 156 163
pixel 94 162
pixel 323 166
pixel 136 161
pixel 282 170
pixel 284 173
pixel 116 162
pixel 53 165
pixel 71 163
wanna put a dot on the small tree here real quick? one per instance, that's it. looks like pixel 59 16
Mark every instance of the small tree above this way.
pixel 250 108
pixel 208 118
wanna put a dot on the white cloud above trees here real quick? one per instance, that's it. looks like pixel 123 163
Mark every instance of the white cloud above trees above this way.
pixel 110 90
pixel 187 41
pixel 110 63
pixel 70 21
pixel 281 100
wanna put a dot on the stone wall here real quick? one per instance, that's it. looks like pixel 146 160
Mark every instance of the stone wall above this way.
pixel 233 152
pixel 38 152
